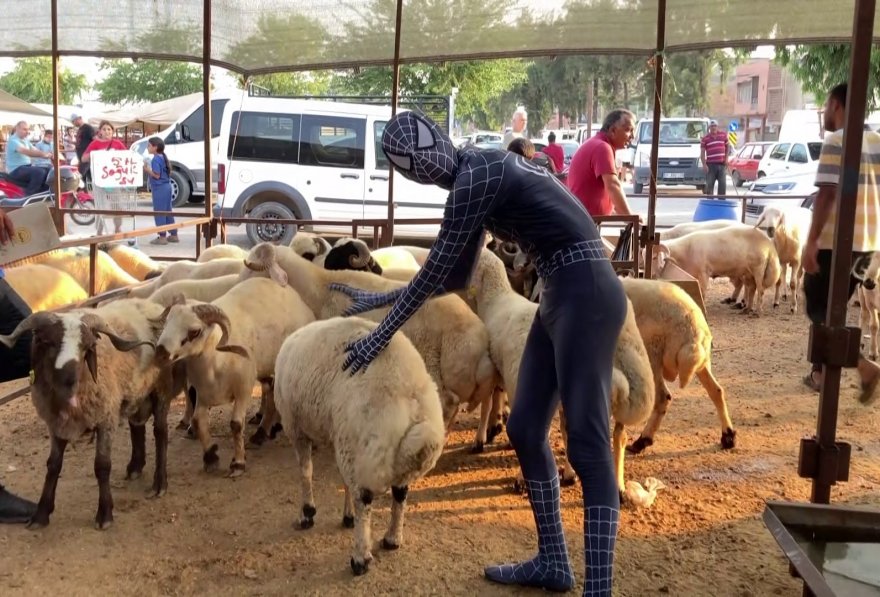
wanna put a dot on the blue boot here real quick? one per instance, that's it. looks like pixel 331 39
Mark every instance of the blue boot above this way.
pixel 600 535
pixel 550 569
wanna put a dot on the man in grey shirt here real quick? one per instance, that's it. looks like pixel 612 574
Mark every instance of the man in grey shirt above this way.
pixel 520 119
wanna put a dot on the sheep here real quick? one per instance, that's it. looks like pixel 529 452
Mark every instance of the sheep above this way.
pixel 733 252
pixel 788 228
pixel 75 261
pixel 398 258
pixel 449 336
pixel 45 288
pixel 686 228
pixel 310 247
pixel 255 316
pixel 221 252
pixel 91 368
pixel 351 254
pixel 192 270
pixel 508 317
pixel 385 426
pixel 199 290
pixel 679 344
pixel 869 304
pixel 137 263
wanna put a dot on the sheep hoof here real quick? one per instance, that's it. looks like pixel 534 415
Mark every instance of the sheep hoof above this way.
pixel 154 494
pixel 389 545
pixel 348 522
pixel 727 301
pixel 493 432
pixel 236 469
pixel 276 429
pixel 190 432
pixel 210 459
pixel 307 520
pixel 754 313
pixel 258 438
pixel 133 475
pixel 639 445
pixel 359 568
pixel 183 424
pixel 256 419
pixel 728 439
pixel 477 448
pixel 38 522
pixel 565 480
pixel 519 485
pixel 775 305
pixel 103 525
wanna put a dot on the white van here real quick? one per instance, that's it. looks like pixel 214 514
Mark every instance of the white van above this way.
pixel 185 147
pixel 678 162
pixel 313 160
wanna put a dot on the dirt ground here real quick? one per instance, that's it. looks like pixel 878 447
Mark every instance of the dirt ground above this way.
pixel 213 535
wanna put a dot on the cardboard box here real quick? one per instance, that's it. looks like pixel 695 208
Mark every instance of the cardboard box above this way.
pixel 685 281
pixel 35 233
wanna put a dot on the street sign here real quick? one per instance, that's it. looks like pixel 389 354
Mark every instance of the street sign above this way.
pixel 733 126
pixel 731 137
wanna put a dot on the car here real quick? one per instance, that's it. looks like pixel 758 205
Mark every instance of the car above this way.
pixel 488 144
pixel 482 137
pixel 790 156
pixel 770 192
pixel 743 165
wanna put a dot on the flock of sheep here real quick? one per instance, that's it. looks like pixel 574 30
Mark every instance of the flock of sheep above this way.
pixel 215 328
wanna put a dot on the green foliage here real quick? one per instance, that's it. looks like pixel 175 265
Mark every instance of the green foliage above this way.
pixel 311 83
pixel 147 80
pixel 31 81
pixel 819 68
pixel 281 39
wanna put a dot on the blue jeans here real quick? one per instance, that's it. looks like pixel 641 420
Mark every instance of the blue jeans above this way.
pixel 31 177
pixel 162 202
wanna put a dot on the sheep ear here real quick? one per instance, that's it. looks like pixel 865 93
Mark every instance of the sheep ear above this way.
pixel 92 362
pixel 278 274
pixel 239 350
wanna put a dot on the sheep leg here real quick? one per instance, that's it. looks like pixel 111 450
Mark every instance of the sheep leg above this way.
pixel 567 476
pixel 361 557
pixel 268 418
pixel 662 398
pixel 47 498
pixel 303 448
pixel 619 447
pixel 499 397
pixel 875 328
pixel 716 394
pixel 160 438
pixel 236 426
pixel 482 430
pixel 734 296
pixel 394 536
pixel 138 451
pixel 103 445
pixel 209 451
pixel 780 286
pixel 186 421
pixel 348 510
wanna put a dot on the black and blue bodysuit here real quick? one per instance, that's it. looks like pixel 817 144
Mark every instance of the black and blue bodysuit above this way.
pixel 571 344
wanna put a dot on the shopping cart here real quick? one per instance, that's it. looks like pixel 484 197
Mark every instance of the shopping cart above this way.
pixel 115 196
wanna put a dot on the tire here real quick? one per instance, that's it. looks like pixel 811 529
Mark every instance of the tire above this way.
pixel 638 188
pixel 761 175
pixel 273 233
pixel 180 189
pixel 737 179
pixel 81 218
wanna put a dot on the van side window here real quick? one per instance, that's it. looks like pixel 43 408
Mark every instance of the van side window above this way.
pixel 332 141
pixel 779 152
pixel 265 137
pixel 381 160
pixel 798 154
pixel 192 130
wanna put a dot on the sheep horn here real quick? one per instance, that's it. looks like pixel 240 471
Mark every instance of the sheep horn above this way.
pixel 98 326
pixel 210 314
pixel 29 323
pixel 255 267
pixel 362 259
pixel 322 246
pixel 176 299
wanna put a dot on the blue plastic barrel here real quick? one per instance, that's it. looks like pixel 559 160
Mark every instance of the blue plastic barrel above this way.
pixel 716 209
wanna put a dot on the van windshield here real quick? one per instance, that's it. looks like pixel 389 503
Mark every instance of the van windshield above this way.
pixel 674 131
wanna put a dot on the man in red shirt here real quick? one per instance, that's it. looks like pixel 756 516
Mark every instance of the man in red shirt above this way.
pixel 592 175
pixel 714 148
pixel 554 152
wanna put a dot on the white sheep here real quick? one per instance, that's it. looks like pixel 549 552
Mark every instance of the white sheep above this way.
pixel 310 247
pixel 385 425
pixel 679 345
pixel 254 317
pixel 45 288
pixel 508 317
pixel 221 252
pixel 686 228
pixel 446 332
pixel 869 305
pixel 92 368
pixel 75 261
pixel 789 229
pixel 733 252
pixel 204 291
pixel 189 270
pixel 138 264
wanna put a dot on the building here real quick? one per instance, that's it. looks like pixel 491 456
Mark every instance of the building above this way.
pixel 764 92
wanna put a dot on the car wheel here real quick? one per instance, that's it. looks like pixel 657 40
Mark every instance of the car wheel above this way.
pixel 736 178
pixel 180 191
pixel 267 232
pixel 638 187
pixel 761 175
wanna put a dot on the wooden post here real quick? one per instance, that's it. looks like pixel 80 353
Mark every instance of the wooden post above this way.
pixel 57 216
pixel 655 138
pixel 206 95
pixel 388 236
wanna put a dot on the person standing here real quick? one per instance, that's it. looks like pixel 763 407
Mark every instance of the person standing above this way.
pixel 570 348
pixel 714 149
pixel 85 133
pixel 593 174
pixel 820 240
pixel 519 121
pixel 19 166
pixel 555 152
pixel 105 140
pixel 159 172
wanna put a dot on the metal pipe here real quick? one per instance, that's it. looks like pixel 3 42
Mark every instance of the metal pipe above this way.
pixel 58 138
pixel 395 93
pixel 655 139
pixel 206 98
pixel 841 257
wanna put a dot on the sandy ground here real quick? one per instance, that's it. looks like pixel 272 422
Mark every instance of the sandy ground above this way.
pixel 213 535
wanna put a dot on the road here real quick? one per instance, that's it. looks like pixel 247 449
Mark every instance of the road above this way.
pixel 676 207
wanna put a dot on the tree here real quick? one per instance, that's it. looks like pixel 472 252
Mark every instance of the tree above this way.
pixel 820 68
pixel 309 83
pixel 31 80
pixel 147 80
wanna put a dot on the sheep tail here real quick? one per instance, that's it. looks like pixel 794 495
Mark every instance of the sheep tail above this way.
pixel 420 447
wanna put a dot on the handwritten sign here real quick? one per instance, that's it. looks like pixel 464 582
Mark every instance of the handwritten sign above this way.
pixel 34 233
pixel 116 168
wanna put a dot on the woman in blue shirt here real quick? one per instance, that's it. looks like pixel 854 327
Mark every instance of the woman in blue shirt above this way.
pixel 159 171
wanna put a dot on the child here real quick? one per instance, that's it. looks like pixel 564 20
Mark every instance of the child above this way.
pixel 159 171
pixel 106 140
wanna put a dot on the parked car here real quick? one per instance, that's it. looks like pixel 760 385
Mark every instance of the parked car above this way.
pixel 743 165
pixel 770 190
pixel 482 137
pixel 790 156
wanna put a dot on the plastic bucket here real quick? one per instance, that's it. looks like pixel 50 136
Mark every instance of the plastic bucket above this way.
pixel 716 209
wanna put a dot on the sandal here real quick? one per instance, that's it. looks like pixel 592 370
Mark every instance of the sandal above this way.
pixel 811 382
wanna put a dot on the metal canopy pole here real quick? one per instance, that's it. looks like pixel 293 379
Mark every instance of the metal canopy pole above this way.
pixel 824 459
pixel 209 138
pixel 655 137
pixel 57 215
pixel 388 237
